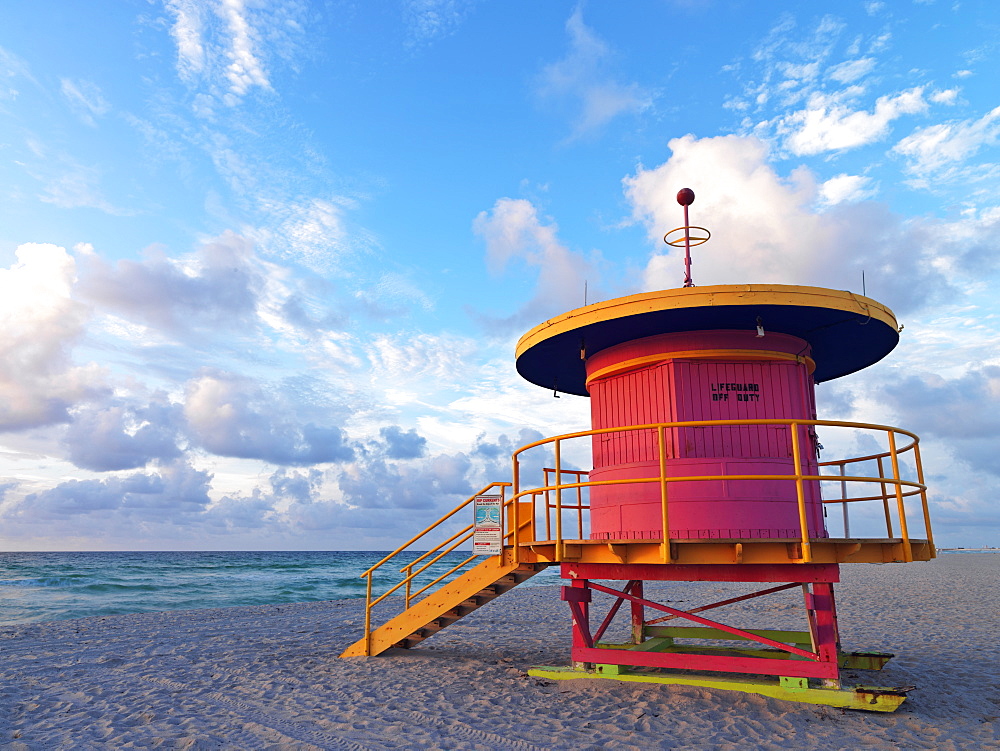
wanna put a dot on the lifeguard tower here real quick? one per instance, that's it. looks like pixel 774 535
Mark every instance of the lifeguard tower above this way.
pixel 706 465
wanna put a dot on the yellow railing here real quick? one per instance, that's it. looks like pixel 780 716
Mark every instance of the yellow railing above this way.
pixel 418 566
pixel 518 532
pixel 892 486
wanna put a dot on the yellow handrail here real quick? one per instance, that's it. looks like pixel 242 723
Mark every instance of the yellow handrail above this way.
pixel 444 518
pixel 463 535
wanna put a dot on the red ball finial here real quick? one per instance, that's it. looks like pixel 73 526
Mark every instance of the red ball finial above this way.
pixel 685 196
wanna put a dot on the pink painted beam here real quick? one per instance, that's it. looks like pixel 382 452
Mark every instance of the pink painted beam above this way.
pixel 743 572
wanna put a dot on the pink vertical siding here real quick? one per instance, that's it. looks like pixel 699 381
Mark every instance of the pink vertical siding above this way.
pixel 709 387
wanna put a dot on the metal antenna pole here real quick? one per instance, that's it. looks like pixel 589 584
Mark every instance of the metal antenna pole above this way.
pixel 685 198
pixel 688 282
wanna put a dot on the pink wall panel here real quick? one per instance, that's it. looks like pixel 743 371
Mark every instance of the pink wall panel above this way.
pixel 661 388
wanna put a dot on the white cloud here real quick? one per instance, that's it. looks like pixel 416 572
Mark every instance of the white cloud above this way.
pixel 764 229
pixel 119 435
pixel 845 189
pixel 12 68
pixel 187 34
pixel 946 96
pixel 938 151
pixel 231 415
pixel 428 20
pixel 582 79
pixel 850 71
pixel 828 124
pixel 41 323
pixel 224 47
pixel 315 232
pixel 86 99
pixel 218 286
pixel 245 69
pixel 391 296
pixel 69 184
pixel 513 231
pixel 403 358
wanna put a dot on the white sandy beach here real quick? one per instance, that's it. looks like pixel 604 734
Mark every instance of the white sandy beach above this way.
pixel 269 677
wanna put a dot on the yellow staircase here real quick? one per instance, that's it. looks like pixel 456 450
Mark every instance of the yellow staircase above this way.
pixel 449 599
pixel 454 600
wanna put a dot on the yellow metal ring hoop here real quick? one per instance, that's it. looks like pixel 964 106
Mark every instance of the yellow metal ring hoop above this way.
pixel 679 241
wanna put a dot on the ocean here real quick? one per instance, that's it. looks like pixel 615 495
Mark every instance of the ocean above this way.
pixel 58 586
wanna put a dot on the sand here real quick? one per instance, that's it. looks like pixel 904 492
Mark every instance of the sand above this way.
pixel 269 677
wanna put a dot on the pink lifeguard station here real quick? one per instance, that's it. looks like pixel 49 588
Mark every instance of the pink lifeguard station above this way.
pixel 706 466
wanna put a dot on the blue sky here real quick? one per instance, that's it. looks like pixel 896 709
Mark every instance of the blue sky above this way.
pixel 263 263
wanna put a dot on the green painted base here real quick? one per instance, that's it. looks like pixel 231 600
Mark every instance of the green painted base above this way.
pixel 868 698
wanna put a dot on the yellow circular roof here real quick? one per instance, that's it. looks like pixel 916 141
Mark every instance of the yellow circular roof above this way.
pixel 847 331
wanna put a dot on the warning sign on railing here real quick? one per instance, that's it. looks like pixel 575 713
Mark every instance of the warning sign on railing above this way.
pixel 487 538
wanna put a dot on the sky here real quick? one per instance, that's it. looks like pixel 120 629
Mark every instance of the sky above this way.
pixel 263 263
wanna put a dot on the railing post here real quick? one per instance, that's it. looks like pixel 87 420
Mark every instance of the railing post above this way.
pixel 505 515
pixel 800 494
pixel 661 442
pixel 843 494
pixel 559 531
pixel 548 505
pixel 907 551
pixel 885 499
pixel 409 581
pixel 516 552
pixel 368 616
pixel 923 498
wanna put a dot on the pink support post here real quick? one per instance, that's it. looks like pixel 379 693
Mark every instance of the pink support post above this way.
pixel 638 613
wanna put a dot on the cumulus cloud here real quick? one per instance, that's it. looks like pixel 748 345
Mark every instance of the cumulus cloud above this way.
pixel 374 482
pixel 117 435
pixel 403 445
pixel 168 494
pixel 583 82
pixel 218 286
pixel 964 411
pixel 41 323
pixel 845 188
pixel 513 231
pixel 765 229
pixel 233 416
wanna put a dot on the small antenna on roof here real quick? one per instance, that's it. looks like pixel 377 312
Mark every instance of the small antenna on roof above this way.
pixel 685 197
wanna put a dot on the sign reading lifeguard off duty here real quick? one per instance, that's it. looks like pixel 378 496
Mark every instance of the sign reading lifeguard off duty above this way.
pixel 488 537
